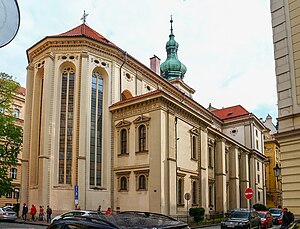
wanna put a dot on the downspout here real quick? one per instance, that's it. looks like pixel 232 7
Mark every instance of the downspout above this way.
pixel 120 90
pixel 176 139
pixel 249 167
pixel 215 186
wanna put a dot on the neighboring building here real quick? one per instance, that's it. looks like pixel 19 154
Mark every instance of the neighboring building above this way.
pixel 286 24
pixel 15 172
pixel 127 136
pixel 272 152
pixel 245 128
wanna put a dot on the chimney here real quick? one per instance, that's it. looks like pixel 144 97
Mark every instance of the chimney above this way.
pixel 155 64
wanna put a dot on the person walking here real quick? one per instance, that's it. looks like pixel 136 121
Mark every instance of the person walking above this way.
pixel 99 209
pixel 108 211
pixel 49 213
pixel 24 212
pixel 42 215
pixel 285 219
pixel 33 212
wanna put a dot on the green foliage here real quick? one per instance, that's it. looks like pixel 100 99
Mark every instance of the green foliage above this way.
pixel 197 213
pixel 259 207
pixel 10 134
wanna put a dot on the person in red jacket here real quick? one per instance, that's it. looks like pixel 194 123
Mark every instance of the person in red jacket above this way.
pixel 108 211
pixel 33 212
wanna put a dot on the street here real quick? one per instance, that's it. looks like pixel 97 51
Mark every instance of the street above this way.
pixel 5 225
pixel 219 227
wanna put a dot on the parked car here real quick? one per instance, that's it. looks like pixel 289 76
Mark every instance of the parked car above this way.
pixel 7 214
pixel 242 218
pixel 130 219
pixel 266 219
pixel 277 215
pixel 74 213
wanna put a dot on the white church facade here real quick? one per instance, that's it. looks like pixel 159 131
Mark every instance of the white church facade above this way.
pixel 127 136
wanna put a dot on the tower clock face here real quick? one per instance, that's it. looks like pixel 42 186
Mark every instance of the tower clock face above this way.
pixel 234 131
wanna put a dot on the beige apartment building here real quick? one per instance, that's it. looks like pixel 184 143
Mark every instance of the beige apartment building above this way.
pixel 127 136
pixel 18 109
pixel 286 38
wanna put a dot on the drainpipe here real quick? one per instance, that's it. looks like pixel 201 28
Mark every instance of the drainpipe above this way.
pixel 120 90
pixel 215 186
pixel 176 140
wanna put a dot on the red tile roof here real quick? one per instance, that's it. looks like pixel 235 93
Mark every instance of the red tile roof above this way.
pixel 84 30
pixel 21 90
pixel 135 98
pixel 230 112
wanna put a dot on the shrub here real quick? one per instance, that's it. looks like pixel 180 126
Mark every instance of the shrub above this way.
pixel 197 213
pixel 259 207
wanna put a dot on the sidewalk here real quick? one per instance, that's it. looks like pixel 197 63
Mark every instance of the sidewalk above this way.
pixel 37 222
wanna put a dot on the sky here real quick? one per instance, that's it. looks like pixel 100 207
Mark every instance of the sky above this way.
pixel 226 45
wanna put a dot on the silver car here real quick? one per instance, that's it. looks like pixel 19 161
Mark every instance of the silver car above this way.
pixel 7 214
pixel 74 213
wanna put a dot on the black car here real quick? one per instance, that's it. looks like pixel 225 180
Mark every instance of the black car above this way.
pixel 277 215
pixel 242 218
pixel 129 219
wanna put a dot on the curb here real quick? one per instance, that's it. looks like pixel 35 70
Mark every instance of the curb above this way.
pixel 42 223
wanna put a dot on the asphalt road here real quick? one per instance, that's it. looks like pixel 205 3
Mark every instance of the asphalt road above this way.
pixel 4 225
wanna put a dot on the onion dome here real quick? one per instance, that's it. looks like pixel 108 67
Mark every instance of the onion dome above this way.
pixel 172 68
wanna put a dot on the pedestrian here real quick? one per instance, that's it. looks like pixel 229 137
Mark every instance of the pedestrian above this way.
pixel 99 209
pixel 108 211
pixel 33 212
pixel 42 213
pixel 49 213
pixel 24 212
pixel 285 219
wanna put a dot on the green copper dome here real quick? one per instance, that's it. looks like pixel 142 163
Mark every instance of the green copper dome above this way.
pixel 172 68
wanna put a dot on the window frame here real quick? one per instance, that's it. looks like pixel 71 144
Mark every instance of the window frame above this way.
pixel 139 122
pixel 138 174
pixel 13 173
pixel 124 124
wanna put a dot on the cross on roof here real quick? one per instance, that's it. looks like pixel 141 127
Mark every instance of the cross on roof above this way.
pixel 84 17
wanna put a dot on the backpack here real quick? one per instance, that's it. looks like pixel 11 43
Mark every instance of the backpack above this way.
pixel 290 216
pixel 50 211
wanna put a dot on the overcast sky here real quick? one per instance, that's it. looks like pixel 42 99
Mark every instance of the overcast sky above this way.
pixel 225 44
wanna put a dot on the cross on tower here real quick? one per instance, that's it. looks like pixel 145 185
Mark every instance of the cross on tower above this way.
pixel 84 17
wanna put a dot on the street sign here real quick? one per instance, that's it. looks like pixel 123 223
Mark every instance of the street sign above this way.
pixel 248 193
pixel 187 196
pixel 76 194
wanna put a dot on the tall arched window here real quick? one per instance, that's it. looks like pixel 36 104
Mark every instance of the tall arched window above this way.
pixel 142 138
pixel 142 182
pixel 194 192
pixel 96 129
pixel 123 184
pixel 66 126
pixel 123 141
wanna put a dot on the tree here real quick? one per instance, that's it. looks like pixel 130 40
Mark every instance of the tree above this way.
pixel 197 213
pixel 10 134
pixel 259 207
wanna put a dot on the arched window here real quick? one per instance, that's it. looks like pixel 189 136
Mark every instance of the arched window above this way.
pixel 194 147
pixel 142 138
pixel 123 184
pixel 123 141
pixel 13 173
pixel 194 192
pixel 66 126
pixel 142 182
pixel 96 129
pixel 16 113
pixel 180 191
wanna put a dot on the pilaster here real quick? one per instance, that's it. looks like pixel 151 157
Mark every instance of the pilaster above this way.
pixel 204 170
pixel 244 177
pixel 234 182
pixel 221 205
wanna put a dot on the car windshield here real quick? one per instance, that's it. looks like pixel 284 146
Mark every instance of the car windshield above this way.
pixel 262 215
pixel 239 214
pixel 275 211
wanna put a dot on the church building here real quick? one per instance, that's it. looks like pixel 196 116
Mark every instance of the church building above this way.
pixel 101 128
